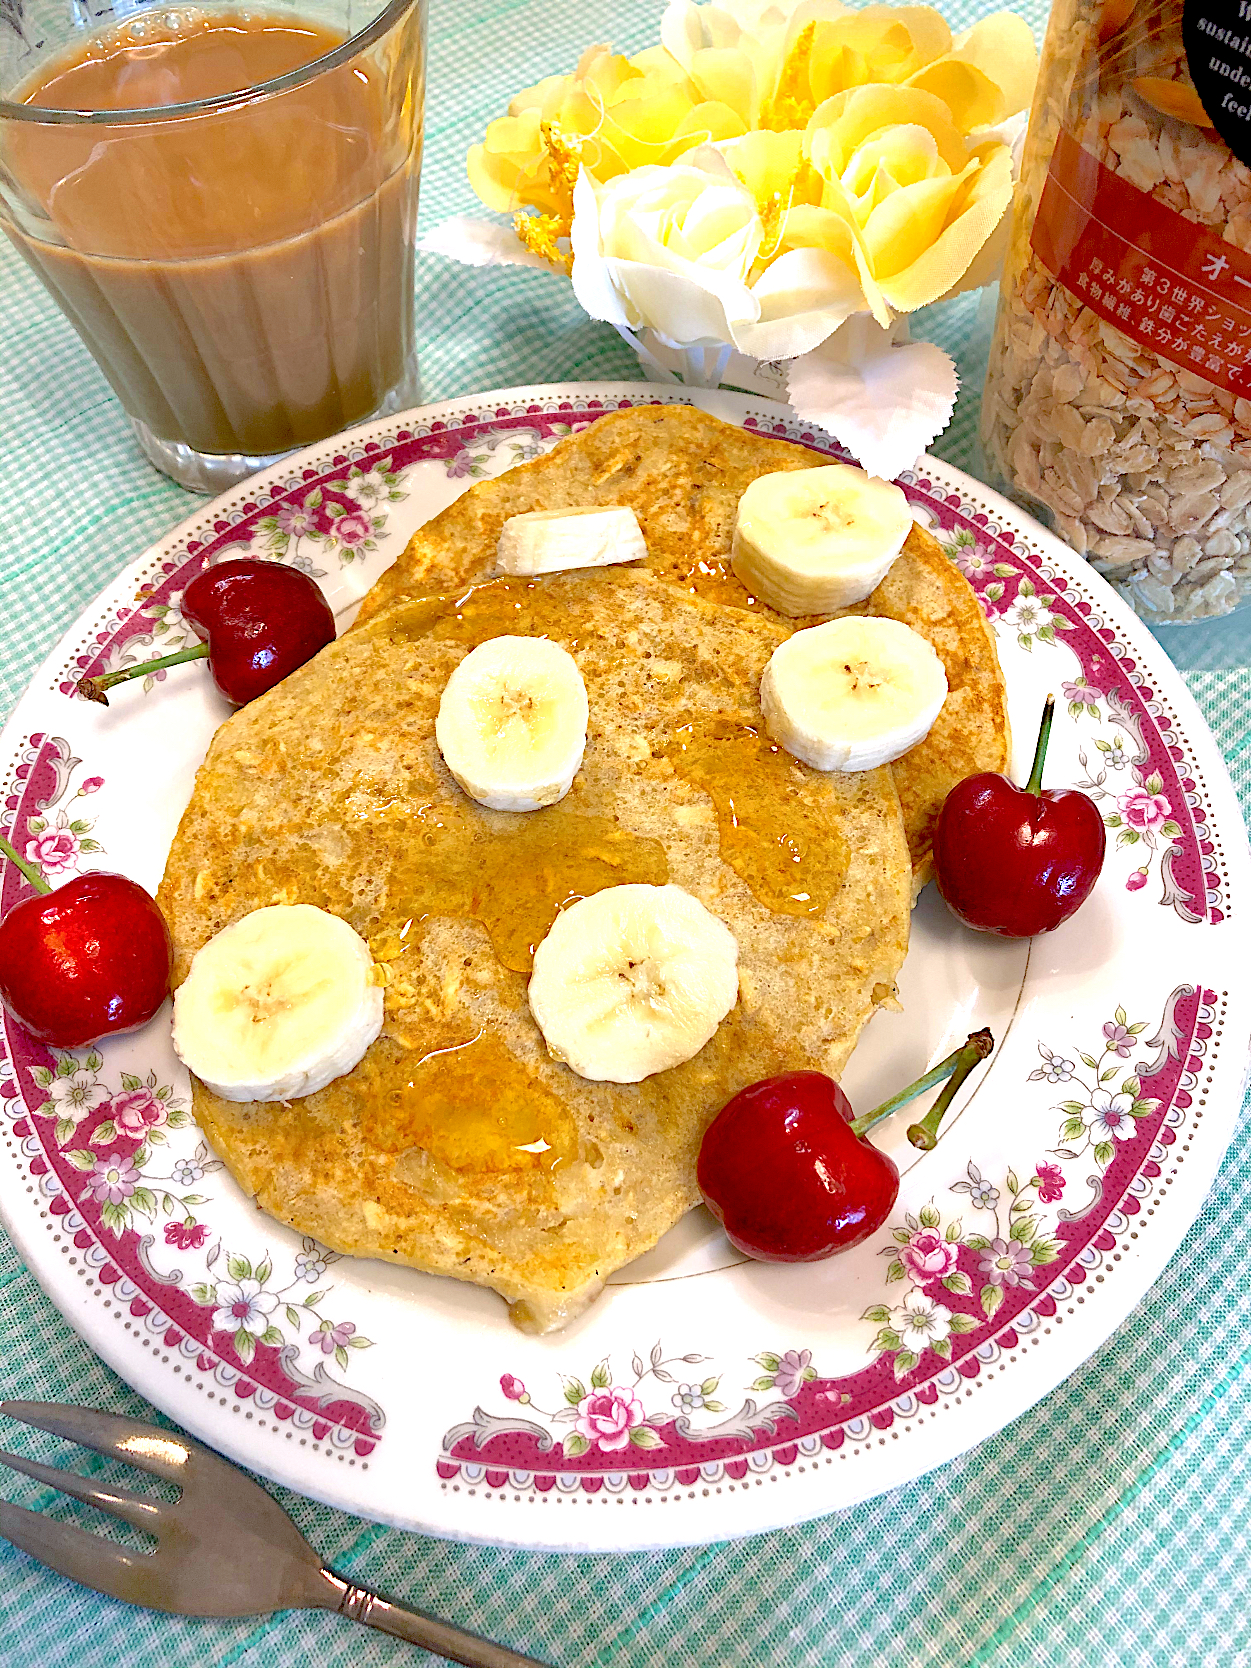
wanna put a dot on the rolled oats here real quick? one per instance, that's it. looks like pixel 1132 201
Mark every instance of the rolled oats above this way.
pixel 1140 461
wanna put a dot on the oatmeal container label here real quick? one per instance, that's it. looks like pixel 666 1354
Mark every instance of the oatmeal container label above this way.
pixel 1173 287
pixel 1217 38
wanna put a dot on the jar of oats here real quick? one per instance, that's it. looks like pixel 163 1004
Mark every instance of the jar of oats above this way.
pixel 1118 399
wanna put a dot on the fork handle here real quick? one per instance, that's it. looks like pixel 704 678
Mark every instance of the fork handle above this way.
pixel 360 1605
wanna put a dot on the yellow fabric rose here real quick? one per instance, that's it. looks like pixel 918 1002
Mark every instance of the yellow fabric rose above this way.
pixel 512 165
pixel 919 203
pixel 986 77
pixel 788 192
pixel 615 113
pixel 730 51
pixel 804 279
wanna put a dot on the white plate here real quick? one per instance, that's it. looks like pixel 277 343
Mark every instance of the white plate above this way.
pixel 737 1396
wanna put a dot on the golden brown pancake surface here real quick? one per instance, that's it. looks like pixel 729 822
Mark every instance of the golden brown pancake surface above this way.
pixel 458 1145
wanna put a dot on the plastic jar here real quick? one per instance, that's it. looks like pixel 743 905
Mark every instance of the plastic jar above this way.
pixel 1118 398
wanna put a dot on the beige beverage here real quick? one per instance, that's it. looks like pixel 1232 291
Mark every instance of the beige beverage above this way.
pixel 243 276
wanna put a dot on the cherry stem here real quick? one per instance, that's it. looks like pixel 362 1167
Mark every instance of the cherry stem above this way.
pixel 935 1075
pixel 1034 785
pixel 92 689
pixel 925 1134
pixel 33 875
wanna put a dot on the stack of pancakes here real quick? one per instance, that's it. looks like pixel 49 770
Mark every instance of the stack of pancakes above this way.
pixel 458 1145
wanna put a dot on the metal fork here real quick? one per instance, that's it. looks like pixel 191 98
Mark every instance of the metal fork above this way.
pixel 224 1548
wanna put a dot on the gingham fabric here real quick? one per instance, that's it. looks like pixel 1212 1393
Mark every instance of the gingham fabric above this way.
pixel 1110 1524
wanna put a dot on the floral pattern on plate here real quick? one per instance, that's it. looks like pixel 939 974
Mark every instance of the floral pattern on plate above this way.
pixel 1031 614
pixel 504 448
pixel 341 518
pixel 58 839
pixel 608 1415
pixel 1008 1241
pixel 1108 1111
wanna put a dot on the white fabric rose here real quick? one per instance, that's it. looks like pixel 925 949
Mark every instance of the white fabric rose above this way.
pixel 672 250
pixel 668 249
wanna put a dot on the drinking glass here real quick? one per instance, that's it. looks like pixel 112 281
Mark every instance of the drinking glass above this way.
pixel 239 265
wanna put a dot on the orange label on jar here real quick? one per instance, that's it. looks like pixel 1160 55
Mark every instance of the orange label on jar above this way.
pixel 1174 287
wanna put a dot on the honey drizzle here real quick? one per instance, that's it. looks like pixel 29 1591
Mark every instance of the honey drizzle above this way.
pixel 512 871
pixel 467 1101
pixel 472 1106
pixel 773 833
pixel 714 580
pixel 495 608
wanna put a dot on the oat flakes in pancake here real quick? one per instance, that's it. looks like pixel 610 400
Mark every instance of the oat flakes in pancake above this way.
pixel 458 1145
pixel 683 472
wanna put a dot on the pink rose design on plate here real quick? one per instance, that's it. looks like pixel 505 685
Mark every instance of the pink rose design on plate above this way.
pixel 608 1416
pixel 1136 881
pixel 137 1111
pixel 55 851
pixel 93 784
pixel 513 1388
pixel 927 1256
pixel 352 530
pixel 1142 810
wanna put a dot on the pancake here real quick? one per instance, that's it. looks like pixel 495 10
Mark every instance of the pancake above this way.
pixel 683 472
pixel 458 1145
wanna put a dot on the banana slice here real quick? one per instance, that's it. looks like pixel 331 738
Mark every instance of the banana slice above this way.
pixel 633 980
pixel 512 723
pixel 551 541
pixel 852 694
pixel 277 1005
pixel 808 541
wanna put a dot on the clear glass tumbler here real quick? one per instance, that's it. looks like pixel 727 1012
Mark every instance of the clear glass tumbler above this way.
pixel 222 200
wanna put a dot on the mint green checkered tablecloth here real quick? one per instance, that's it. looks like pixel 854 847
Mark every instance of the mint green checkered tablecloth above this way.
pixel 1111 1524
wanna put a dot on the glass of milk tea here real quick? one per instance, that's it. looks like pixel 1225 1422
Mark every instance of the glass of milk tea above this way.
pixel 222 201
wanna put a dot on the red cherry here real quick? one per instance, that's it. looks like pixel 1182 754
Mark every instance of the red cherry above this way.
pixel 260 620
pixel 1017 861
pixel 786 1176
pixel 257 621
pixel 89 960
pixel 785 1168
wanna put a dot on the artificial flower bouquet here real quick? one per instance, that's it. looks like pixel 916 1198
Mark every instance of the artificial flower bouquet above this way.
pixel 786 180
